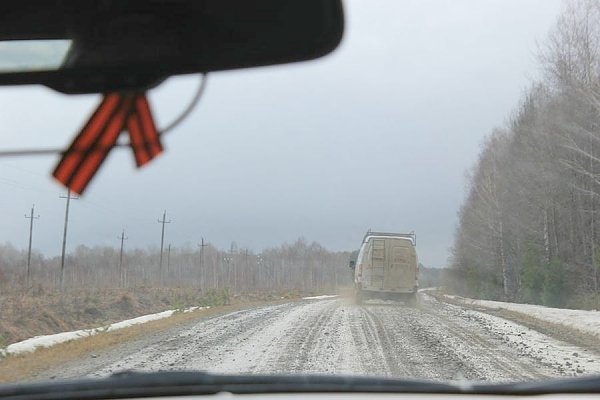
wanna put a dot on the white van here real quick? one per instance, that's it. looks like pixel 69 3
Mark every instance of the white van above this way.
pixel 386 267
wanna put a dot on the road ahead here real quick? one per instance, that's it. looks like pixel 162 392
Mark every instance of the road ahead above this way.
pixel 434 340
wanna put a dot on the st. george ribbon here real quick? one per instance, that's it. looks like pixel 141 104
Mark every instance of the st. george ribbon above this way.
pixel 117 112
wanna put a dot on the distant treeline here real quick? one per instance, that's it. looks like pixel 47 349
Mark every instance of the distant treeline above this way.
pixel 298 266
pixel 529 227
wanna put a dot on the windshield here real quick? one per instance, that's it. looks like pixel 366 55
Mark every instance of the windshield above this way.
pixel 461 137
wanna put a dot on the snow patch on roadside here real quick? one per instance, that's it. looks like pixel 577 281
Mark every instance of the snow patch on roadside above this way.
pixel 31 344
pixel 581 320
pixel 556 357
pixel 324 296
pixel 564 358
pixel 429 289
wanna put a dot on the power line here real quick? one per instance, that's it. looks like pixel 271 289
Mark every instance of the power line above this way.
pixel 31 217
pixel 162 241
pixel 64 243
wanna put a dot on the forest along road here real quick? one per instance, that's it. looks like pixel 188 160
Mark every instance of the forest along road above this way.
pixel 434 340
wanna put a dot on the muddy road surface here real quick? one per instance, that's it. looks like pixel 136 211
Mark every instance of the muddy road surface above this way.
pixel 434 340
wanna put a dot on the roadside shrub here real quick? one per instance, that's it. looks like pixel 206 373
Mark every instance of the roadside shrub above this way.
pixel 291 294
pixel 532 276
pixel 553 291
pixel 178 306
pixel 584 300
pixel 216 297
pixel 125 303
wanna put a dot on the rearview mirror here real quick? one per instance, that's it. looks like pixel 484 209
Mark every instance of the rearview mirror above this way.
pixel 76 46
pixel 352 264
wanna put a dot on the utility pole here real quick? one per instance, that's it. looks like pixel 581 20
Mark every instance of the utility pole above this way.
pixel 121 275
pixel 259 263
pixel 245 273
pixel 64 243
pixel 227 260
pixel 162 242
pixel 202 246
pixel 168 257
pixel 31 217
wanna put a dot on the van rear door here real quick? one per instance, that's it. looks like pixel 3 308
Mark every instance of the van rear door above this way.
pixel 378 264
pixel 401 274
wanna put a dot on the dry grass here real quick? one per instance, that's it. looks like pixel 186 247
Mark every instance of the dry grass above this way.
pixel 24 316
pixel 28 365
pixel 25 366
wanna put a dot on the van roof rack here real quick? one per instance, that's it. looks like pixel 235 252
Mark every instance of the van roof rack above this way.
pixel 412 235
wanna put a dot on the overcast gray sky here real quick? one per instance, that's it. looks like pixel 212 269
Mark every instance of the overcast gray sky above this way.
pixel 377 135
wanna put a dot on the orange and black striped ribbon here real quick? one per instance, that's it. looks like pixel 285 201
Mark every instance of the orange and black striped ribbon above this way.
pixel 116 112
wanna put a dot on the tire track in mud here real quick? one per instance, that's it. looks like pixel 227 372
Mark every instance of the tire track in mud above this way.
pixel 387 346
pixel 526 346
pixel 309 343
pixel 198 347
pixel 366 337
pixel 432 347
pixel 281 346
pixel 415 345
pixel 318 349
pixel 483 356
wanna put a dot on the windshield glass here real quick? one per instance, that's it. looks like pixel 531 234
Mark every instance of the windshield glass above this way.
pixel 461 137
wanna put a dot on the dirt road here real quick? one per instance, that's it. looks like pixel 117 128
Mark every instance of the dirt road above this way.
pixel 434 340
